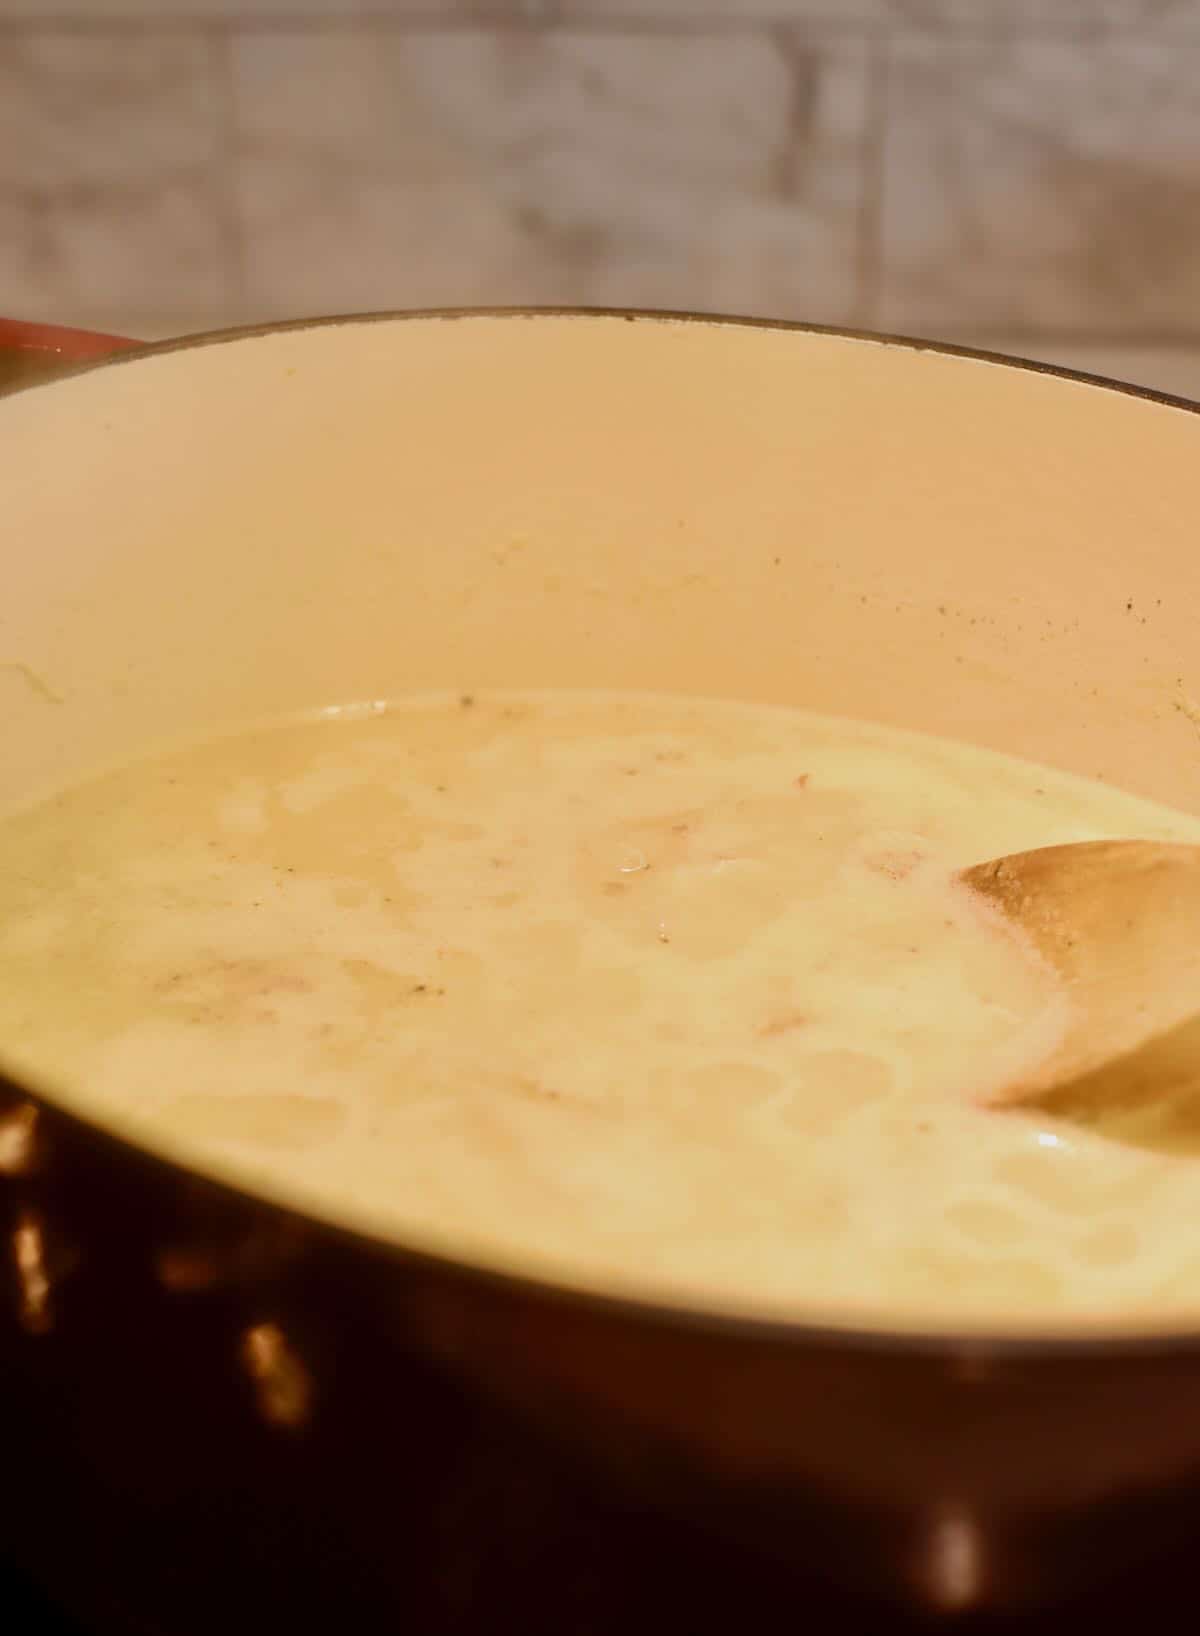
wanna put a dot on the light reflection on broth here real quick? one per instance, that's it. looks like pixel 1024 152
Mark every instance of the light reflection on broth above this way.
pixel 662 995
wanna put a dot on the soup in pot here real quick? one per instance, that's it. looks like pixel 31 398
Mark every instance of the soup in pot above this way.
pixel 664 996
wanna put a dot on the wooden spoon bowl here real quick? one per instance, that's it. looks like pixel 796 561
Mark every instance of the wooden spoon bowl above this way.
pixel 1119 923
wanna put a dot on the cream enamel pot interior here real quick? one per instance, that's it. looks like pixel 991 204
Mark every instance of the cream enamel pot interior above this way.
pixel 216 530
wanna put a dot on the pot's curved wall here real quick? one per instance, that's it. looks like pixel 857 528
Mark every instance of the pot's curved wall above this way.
pixel 342 512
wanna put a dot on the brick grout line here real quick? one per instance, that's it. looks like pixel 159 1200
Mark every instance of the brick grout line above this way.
pixel 430 23
pixel 1178 29
pixel 236 280
pixel 871 267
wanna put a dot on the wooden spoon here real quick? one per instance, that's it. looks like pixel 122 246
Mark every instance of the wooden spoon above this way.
pixel 1119 921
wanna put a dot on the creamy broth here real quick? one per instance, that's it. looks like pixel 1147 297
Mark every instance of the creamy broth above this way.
pixel 671 997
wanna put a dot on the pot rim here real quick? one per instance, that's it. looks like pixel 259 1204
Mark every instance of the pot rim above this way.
pixel 96 350
pixel 1095 1342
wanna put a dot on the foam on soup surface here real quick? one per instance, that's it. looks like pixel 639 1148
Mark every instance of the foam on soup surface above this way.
pixel 666 996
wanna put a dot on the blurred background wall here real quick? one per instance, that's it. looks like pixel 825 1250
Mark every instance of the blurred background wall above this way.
pixel 1024 173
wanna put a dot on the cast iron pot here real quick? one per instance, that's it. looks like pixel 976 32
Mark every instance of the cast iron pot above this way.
pixel 214 1400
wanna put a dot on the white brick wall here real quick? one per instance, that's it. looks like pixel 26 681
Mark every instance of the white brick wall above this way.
pixel 968 168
